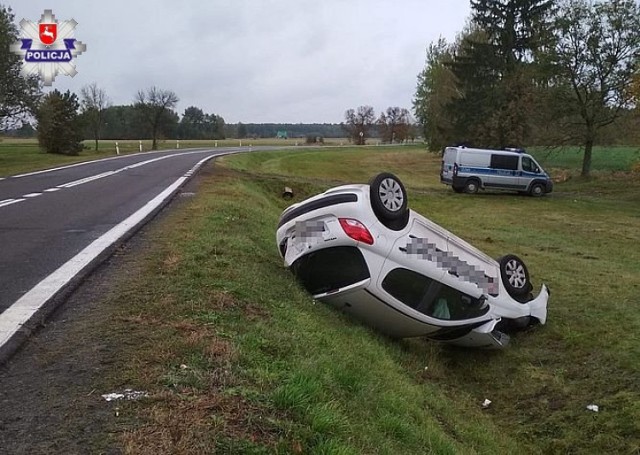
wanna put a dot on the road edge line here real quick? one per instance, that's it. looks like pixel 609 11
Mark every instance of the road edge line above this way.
pixel 28 312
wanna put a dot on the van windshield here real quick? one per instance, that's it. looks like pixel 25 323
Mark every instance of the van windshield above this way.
pixel 529 165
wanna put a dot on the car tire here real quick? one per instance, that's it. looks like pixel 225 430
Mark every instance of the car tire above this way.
pixel 471 186
pixel 536 190
pixel 515 276
pixel 388 197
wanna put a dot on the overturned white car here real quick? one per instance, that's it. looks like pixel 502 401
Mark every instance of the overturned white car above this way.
pixel 360 249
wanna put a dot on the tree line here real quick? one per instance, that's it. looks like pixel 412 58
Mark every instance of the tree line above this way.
pixel 64 120
pixel 395 125
pixel 535 72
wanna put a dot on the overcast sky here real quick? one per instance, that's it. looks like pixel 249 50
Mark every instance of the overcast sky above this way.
pixel 256 61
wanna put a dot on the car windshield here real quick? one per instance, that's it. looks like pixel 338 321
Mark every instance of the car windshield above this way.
pixel 431 297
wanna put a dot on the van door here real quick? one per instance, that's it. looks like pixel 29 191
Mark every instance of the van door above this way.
pixel 448 162
pixel 530 171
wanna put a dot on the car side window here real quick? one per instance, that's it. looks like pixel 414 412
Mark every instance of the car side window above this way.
pixel 431 297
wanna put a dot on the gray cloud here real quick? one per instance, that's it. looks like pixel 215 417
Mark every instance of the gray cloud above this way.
pixel 257 61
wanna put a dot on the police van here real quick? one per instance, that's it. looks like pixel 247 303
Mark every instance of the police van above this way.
pixel 470 169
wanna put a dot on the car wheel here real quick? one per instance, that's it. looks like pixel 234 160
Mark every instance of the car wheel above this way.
pixel 388 197
pixel 471 186
pixel 515 276
pixel 537 190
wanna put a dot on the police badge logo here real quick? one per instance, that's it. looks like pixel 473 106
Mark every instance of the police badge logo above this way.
pixel 48 47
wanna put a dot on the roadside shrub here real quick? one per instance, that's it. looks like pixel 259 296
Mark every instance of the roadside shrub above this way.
pixel 59 129
pixel 313 139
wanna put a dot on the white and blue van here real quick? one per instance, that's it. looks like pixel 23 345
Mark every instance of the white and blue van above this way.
pixel 470 169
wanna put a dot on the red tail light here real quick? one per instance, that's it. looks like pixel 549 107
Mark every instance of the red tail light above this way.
pixel 356 230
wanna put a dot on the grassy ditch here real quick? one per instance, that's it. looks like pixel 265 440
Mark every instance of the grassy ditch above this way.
pixel 238 359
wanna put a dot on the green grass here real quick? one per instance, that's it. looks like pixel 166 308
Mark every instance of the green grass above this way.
pixel 24 155
pixel 603 158
pixel 240 360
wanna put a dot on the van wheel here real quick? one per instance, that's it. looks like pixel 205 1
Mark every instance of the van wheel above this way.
pixel 515 275
pixel 388 197
pixel 536 190
pixel 471 186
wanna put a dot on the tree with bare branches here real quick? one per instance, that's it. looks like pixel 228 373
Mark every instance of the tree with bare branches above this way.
pixel 93 102
pixel 596 57
pixel 394 125
pixel 359 123
pixel 153 104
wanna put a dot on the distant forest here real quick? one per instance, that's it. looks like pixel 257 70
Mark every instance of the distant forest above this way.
pixel 173 130
pixel 293 130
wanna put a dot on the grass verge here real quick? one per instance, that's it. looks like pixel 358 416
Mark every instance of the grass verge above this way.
pixel 239 360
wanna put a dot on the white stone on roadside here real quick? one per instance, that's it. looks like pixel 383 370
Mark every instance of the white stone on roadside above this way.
pixel 486 403
pixel 593 407
pixel 128 394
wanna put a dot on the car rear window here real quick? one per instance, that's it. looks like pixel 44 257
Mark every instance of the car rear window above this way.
pixel 431 297
pixel 330 269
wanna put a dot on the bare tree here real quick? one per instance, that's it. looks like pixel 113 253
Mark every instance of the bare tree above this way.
pixel 153 104
pixel 93 103
pixel 596 56
pixel 394 125
pixel 359 123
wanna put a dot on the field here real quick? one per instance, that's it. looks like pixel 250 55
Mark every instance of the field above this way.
pixel 238 359
pixel 23 155
pixel 604 158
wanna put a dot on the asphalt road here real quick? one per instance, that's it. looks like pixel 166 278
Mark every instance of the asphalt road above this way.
pixel 48 218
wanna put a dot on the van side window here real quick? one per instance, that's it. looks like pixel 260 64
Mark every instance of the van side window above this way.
pixel 509 162
pixel 528 165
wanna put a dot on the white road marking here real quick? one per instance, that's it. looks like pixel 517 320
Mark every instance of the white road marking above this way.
pixel 10 201
pixel 18 314
pixel 87 179
pixel 117 171
pixel 93 177
pixel 44 171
